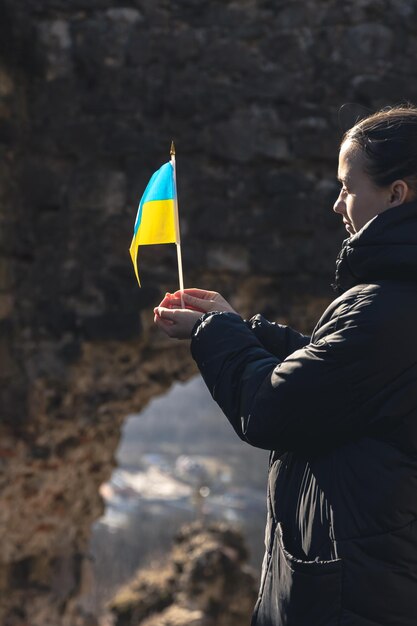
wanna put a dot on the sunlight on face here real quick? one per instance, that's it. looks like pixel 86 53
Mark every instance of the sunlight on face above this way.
pixel 359 199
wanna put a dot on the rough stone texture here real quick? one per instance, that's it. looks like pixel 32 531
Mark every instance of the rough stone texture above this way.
pixel 91 93
pixel 205 582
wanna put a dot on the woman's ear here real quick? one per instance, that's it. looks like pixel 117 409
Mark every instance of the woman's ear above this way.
pixel 400 193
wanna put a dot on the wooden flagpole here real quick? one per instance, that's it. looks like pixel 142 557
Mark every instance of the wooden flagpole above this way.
pixel 177 224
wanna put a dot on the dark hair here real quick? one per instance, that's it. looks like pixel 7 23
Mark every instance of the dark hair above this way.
pixel 388 139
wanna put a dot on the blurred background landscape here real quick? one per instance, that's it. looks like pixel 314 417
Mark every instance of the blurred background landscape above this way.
pixel 256 95
pixel 177 462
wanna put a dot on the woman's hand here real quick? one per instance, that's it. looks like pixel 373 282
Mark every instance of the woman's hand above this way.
pixel 197 299
pixel 176 323
pixel 178 312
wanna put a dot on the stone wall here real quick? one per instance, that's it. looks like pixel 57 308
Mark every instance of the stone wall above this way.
pixel 91 93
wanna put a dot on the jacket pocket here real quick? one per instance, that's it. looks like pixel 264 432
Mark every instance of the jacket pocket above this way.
pixel 299 593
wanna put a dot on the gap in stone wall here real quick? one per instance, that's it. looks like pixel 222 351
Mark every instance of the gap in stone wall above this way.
pixel 178 460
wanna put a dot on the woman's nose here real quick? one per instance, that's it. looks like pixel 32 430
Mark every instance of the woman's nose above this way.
pixel 339 206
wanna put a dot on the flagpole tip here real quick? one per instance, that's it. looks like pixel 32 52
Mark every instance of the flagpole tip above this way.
pixel 172 149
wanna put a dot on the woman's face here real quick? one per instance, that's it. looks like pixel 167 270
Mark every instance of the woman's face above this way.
pixel 359 199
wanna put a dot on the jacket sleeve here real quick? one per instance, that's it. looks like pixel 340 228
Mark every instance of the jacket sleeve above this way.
pixel 320 395
pixel 279 340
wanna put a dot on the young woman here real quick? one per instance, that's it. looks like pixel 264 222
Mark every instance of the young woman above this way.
pixel 337 409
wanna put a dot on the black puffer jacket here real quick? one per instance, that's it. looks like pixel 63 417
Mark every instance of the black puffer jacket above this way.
pixel 339 410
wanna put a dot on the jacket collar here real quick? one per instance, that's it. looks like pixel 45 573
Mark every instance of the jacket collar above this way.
pixel 384 249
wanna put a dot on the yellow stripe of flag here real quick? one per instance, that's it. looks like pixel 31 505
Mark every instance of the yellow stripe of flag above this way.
pixel 158 223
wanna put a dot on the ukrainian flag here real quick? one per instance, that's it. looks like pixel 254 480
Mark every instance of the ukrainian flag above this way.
pixel 156 217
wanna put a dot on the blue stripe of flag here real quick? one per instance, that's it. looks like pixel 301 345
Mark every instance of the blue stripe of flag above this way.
pixel 160 187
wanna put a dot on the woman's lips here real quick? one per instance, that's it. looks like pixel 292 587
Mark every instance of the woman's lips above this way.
pixel 349 226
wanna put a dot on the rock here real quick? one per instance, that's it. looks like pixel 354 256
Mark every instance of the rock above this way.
pixel 250 133
pixel 55 39
pixel 6 83
pixel 100 189
pixel 206 582
pixel 367 39
pixel 126 14
pixel 233 258
pixel 178 616
pixel 6 305
pixel 6 277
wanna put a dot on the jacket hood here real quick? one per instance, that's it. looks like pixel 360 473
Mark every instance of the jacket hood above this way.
pixel 384 249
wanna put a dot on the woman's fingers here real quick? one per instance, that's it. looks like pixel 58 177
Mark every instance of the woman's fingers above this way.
pixel 164 321
pixel 175 303
pixel 200 300
pixel 168 300
pixel 217 303
pixel 198 304
pixel 204 294
pixel 171 300
pixel 176 323
pixel 166 314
